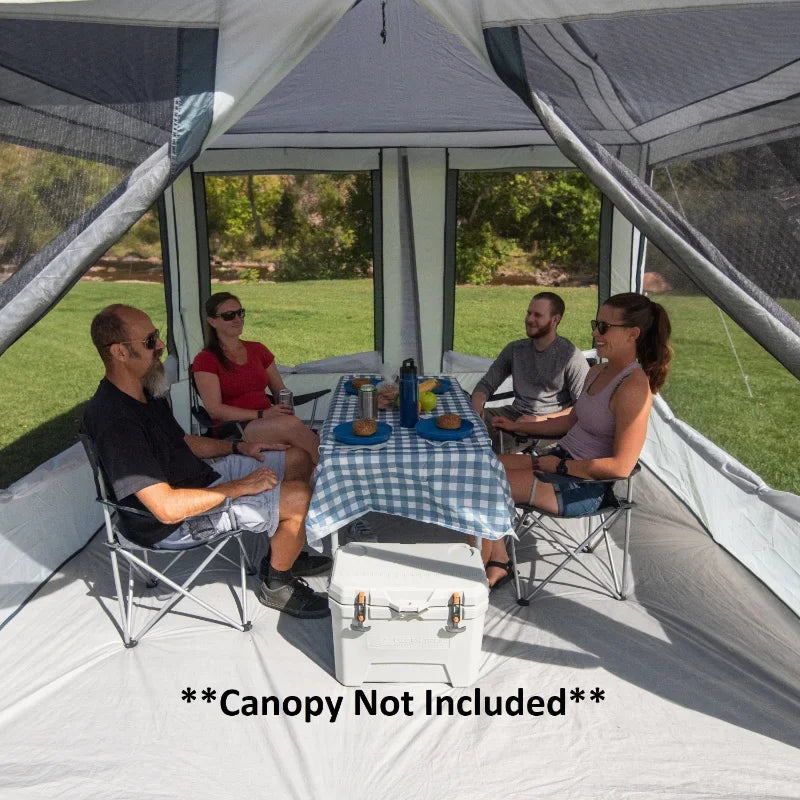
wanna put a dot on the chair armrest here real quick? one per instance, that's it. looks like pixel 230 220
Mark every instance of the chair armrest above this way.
pixel 302 399
pixel 554 477
pixel 233 427
pixel 223 506
pixel 500 396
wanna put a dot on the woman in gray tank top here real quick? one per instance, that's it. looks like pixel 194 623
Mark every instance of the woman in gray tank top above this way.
pixel 603 435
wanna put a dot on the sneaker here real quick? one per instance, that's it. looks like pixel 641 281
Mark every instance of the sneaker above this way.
pixel 361 531
pixel 297 599
pixel 305 565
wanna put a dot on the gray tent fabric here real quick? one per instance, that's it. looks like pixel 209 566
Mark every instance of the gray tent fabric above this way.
pixel 35 288
pixel 168 99
pixel 101 96
pixel 697 669
pixel 773 327
pixel 422 80
pixel 432 84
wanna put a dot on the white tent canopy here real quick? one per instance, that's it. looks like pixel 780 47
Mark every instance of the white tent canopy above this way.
pixel 152 96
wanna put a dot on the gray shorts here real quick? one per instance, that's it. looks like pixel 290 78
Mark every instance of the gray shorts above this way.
pixel 257 512
pixel 502 441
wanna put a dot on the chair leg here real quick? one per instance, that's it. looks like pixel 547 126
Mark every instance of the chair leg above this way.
pixel 129 605
pixel 523 525
pixel 626 546
pixel 612 566
pixel 572 553
pixel 625 551
pixel 123 616
pixel 183 591
pixel 244 566
pixel 517 588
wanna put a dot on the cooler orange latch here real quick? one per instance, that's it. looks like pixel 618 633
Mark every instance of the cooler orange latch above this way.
pixel 360 613
pixel 456 613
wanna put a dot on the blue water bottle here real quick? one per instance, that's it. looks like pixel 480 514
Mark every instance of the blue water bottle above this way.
pixel 409 394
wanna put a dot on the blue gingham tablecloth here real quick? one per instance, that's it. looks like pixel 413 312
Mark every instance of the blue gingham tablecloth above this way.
pixel 458 485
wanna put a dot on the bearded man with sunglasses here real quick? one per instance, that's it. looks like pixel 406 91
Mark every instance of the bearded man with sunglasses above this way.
pixel 152 465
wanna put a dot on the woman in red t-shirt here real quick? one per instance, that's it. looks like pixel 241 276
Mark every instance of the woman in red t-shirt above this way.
pixel 232 375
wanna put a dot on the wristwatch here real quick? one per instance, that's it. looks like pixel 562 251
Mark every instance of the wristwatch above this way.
pixel 260 413
pixel 561 469
pixel 235 448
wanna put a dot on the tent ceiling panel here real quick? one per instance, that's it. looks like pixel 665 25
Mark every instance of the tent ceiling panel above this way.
pixel 708 53
pixel 22 91
pixel 423 79
pixel 522 12
pixel 508 158
pixel 759 126
pixel 116 67
pixel 288 160
pixel 186 13
pixel 701 67
pixel 495 138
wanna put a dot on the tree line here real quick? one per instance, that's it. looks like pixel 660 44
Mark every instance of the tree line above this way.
pixel 311 225
pixel 320 226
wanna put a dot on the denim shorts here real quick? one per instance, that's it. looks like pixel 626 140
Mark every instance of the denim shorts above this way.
pixel 577 499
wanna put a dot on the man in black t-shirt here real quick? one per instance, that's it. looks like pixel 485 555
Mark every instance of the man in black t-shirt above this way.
pixel 151 464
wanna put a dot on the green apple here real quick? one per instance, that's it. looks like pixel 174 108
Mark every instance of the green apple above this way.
pixel 427 401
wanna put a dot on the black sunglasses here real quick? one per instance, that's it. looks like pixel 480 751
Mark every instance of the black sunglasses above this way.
pixel 150 341
pixel 602 327
pixel 229 315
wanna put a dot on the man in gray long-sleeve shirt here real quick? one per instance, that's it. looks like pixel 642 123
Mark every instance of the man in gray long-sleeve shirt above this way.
pixel 548 370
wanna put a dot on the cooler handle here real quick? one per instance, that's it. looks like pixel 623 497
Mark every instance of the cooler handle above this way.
pixel 360 613
pixel 456 614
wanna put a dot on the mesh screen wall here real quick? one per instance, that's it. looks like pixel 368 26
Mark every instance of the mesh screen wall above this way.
pixel 90 135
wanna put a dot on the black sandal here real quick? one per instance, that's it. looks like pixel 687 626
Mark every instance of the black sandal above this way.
pixel 506 578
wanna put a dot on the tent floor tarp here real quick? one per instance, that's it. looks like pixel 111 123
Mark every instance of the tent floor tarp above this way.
pixel 699 670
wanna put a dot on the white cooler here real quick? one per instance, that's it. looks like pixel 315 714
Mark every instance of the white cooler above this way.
pixel 406 613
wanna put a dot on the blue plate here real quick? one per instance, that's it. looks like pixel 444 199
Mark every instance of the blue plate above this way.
pixel 344 433
pixel 444 385
pixel 348 385
pixel 427 429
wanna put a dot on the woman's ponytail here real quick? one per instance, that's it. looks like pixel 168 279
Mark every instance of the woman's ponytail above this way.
pixel 652 347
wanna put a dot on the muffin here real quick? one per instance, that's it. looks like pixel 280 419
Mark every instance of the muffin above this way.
pixel 449 422
pixel 365 427
pixel 357 383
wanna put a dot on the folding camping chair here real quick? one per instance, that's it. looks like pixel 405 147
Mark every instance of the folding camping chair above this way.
pixel 530 519
pixel 234 429
pixel 121 547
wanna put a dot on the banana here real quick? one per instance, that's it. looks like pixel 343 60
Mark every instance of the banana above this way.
pixel 428 385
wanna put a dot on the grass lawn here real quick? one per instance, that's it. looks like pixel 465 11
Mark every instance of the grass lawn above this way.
pixel 47 375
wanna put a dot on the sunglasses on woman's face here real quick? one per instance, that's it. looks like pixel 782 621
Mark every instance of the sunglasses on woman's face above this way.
pixel 602 327
pixel 229 315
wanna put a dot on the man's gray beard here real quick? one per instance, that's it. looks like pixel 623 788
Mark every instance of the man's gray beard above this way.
pixel 155 380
